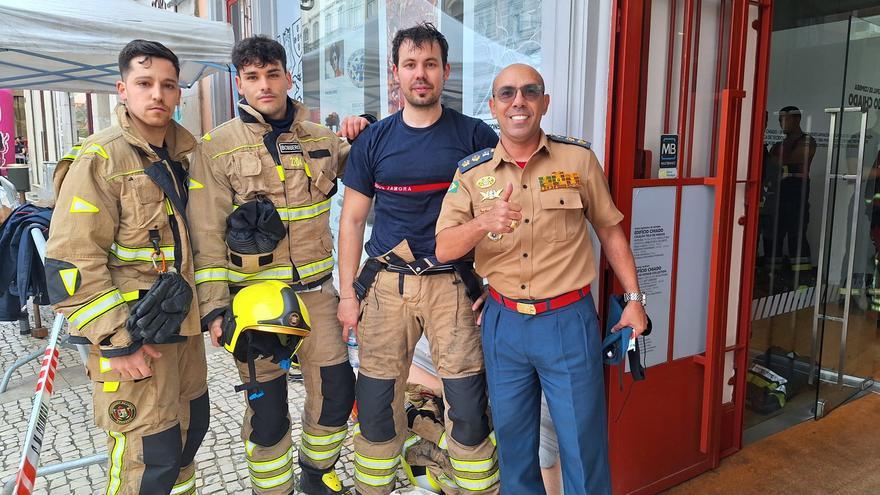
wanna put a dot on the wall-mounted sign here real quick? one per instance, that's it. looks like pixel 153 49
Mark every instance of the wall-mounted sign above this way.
pixel 668 156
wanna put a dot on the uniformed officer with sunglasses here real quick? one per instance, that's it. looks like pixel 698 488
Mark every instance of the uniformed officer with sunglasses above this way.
pixel 522 208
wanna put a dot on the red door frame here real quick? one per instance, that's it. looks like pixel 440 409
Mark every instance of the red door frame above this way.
pixel 696 380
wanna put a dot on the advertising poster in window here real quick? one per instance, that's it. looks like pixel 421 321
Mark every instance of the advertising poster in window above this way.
pixel 342 75
pixel 289 27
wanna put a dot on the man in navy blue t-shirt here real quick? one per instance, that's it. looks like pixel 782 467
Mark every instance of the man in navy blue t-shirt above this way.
pixel 406 162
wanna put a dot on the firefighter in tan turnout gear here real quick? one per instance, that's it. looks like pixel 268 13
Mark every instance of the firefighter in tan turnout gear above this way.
pixel 119 267
pixel 261 188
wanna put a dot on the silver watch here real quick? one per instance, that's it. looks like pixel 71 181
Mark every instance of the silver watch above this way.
pixel 635 296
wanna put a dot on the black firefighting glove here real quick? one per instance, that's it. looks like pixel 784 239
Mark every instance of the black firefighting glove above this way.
pixel 156 317
pixel 254 227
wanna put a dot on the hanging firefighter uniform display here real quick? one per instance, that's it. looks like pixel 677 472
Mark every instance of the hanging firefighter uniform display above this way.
pixel 261 199
pixel 119 268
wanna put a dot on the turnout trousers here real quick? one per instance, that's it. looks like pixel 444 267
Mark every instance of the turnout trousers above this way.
pixel 329 383
pixel 559 351
pixel 155 425
pixel 397 309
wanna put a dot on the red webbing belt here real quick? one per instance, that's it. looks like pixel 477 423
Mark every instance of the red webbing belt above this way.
pixel 538 307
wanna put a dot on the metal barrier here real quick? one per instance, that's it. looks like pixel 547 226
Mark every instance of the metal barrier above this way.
pixel 23 482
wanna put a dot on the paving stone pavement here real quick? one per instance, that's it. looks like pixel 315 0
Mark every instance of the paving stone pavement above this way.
pixel 71 434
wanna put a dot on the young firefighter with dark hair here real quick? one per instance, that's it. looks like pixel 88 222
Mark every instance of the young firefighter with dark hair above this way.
pixel 119 267
pixel 261 188
pixel 407 162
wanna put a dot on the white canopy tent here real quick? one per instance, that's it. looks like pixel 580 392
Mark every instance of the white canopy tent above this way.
pixel 73 45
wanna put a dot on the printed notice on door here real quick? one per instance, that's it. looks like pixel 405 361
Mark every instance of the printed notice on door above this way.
pixel 653 226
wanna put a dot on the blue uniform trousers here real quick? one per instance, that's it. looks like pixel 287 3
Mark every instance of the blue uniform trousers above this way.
pixel 560 352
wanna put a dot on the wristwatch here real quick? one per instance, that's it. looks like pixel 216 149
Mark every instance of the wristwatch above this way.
pixel 635 296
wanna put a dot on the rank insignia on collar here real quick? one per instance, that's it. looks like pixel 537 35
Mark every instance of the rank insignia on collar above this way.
pixel 559 180
pixel 485 181
pixel 490 194
pixel 471 161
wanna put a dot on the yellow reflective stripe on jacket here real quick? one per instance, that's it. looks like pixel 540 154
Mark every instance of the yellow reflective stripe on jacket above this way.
pixel 139 253
pixel 282 272
pixel 373 480
pixel 270 465
pixel 273 481
pixel 373 463
pixel 210 275
pixel 114 481
pixel 477 485
pixel 478 466
pixel 298 213
pixel 315 267
pixel 320 455
pixel 233 150
pixel 72 154
pixel 95 308
pixel 123 174
pixel 184 487
pixel 443 443
pixel 324 439
pixel 97 148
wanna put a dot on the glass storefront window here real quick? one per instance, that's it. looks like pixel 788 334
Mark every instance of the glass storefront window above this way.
pixel 339 51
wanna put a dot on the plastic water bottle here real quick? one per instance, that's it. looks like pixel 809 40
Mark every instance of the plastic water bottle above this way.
pixel 353 350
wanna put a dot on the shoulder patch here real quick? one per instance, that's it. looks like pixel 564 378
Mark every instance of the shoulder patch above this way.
pixel 79 205
pixel 477 158
pixel 96 149
pixel 72 154
pixel 569 140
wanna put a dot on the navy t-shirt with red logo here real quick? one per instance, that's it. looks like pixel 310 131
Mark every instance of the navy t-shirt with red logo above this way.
pixel 408 171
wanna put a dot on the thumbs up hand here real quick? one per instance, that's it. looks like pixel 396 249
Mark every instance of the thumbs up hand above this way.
pixel 503 217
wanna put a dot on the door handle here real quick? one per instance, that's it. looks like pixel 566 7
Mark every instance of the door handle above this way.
pixel 823 245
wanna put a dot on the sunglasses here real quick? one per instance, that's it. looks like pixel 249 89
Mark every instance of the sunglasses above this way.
pixel 530 92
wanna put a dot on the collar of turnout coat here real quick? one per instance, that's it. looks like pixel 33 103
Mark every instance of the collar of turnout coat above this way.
pixel 178 140
pixel 249 115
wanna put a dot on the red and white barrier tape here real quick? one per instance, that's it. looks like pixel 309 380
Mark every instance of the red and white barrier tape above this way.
pixel 33 440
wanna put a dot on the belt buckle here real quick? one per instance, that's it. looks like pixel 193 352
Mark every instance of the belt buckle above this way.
pixel 526 309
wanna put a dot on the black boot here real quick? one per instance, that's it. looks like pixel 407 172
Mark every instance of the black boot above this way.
pixel 314 481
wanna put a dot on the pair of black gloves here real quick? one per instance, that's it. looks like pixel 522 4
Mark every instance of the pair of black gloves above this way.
pixel 156 317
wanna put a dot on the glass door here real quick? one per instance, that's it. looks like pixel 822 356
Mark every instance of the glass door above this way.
pixel 846 323
pixel 814 341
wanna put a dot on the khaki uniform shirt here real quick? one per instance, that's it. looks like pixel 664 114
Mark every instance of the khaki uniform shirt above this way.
pixel 561 187
pixel 232 166
pixel 98 257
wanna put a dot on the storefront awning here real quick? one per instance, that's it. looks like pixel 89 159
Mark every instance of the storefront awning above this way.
pixel 68 45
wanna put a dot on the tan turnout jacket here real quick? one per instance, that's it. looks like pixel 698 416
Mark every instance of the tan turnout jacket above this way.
pixel 231 166
pixel 112 202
